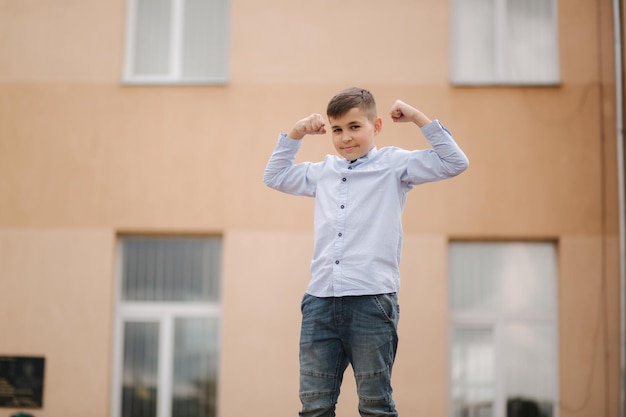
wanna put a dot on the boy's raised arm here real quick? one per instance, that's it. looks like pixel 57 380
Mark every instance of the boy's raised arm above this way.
pixel 401 113
pixel 444 160
pixel 280 172
pixel 311 125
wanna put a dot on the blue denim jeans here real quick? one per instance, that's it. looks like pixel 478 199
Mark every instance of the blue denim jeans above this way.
pixel 337 331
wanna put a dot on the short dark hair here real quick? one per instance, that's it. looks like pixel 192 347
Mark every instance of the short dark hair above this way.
pixel 350 98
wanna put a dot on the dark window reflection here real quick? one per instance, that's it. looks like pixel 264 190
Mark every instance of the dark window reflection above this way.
pixel 526 407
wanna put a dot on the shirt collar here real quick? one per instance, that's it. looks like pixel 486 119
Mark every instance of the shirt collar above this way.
pixel 365 157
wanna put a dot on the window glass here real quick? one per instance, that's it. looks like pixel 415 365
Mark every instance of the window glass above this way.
pixel 139 381
pixel 473 284
pixel 526 278
pixel 504 42
pixel 473 372
pixel 171 269
pixel 152 37
pixel 510 277
pixel 194 387
pixel 204 49
pixel 473 40
pixel 530 374
pixel 531 41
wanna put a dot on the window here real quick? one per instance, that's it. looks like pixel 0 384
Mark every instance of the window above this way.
pixel 167 327
pixel 176 41
pixel 503 329
pixel 504 42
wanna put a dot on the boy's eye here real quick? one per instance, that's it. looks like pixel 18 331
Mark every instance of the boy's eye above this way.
pixel 354 127
pixel 336 130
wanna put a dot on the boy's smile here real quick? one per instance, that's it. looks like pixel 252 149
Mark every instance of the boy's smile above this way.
pixel 353 133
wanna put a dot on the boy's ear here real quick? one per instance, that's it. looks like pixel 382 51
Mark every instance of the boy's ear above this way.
pixel 378 125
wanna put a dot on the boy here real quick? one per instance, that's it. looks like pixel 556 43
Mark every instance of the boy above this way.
pixel 350 310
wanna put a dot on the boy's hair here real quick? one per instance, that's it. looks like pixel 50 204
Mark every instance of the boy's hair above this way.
pixel 350 98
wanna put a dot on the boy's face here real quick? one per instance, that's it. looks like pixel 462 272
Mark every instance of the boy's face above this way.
pixel 353 133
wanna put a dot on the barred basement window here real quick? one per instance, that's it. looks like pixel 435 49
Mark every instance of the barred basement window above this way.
pixel 167 327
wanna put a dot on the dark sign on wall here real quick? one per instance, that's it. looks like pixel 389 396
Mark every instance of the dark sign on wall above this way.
pixel 21 381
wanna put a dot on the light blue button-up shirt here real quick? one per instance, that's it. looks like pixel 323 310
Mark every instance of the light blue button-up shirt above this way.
pixel 358 208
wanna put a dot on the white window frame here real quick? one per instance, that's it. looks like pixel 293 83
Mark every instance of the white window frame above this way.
pixel 496 321
pixel 174 76
pixel 500 56
pixel 163 313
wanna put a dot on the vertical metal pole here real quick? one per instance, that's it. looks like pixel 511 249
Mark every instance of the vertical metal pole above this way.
pixel 617 34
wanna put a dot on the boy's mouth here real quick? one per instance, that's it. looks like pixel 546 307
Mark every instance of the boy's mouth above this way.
pixel 349 148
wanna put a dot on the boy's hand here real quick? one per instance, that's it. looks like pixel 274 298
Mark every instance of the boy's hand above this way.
pixel 312 125
pixel 402 112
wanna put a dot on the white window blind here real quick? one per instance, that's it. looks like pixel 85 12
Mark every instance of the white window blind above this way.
pixel 504 42
pixel 503 329
pixel 177 41
pixel 167 327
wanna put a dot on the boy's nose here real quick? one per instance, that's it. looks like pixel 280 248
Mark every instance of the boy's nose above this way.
pixel 346 138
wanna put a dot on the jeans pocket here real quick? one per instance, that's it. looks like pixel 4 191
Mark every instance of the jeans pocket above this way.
pixel 388 306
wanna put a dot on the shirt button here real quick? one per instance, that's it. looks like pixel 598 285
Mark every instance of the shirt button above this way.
pixel 349 167
pixel 336 262
pixel 342 206
pixel 339 234
pixel 343 179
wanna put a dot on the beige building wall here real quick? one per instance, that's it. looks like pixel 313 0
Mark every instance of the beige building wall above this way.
pixel 84 158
